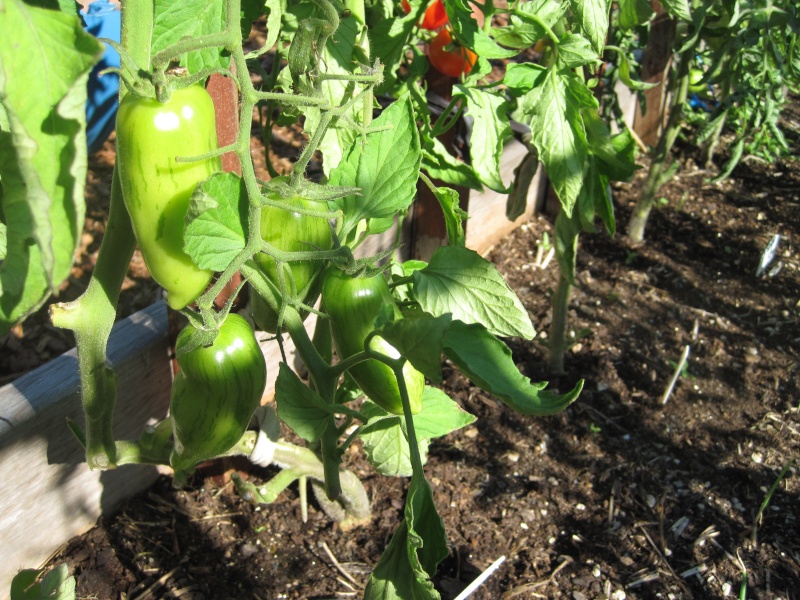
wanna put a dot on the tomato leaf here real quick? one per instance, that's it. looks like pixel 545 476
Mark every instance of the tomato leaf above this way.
pixel 385 437
pixel 553 108
pixel 215 222
pixel 454 215
pixel 467 31
pixel 593 20
pixel 56 584
pixel 174 21
pixel 634 12
pixel 42 151
pixel 575 51
pixel 489 364
pixel 490 131
pixel 438 163
pixel 416 548
pixel 386 169
pixel 522 31
pixel 300 407
pixel 678 9
pixel 461 282
pixel 419 339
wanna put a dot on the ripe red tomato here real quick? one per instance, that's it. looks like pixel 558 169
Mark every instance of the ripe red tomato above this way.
pixel 453 61
pixel 435 16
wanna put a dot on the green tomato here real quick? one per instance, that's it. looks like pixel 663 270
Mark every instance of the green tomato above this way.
pixel 215 392
pixel 156 188
pixel 291 232
pixel 353 303
pixel 695 81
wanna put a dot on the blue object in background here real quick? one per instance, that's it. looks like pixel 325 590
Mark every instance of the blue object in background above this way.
pixel 102 19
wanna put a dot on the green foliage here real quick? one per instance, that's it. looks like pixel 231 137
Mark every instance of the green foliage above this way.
pixel 42 152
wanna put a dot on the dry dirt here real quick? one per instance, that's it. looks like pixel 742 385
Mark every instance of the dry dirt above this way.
pixel 621 496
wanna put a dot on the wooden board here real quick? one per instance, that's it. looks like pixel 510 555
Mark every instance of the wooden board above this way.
pixel 48 494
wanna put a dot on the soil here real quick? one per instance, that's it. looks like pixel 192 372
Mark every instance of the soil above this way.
pixel 623 495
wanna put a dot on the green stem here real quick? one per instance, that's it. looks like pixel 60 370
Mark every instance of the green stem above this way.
pixel 91 318
pixel 658 165
pixel 558 326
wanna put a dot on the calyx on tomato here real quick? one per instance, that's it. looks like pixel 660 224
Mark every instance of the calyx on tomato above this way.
pixel 449 58
pixel 353 303
pixel 215 392
pixel 156 188
pixel 291 231
pixel 435 15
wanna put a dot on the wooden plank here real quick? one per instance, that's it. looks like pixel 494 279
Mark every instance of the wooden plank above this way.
pixel 48 493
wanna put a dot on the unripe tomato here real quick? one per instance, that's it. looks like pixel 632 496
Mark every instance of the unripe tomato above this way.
pixel 156 188
pixel 215 392
pixel 290 232
pixel 452 61
pixel 695 81
pixel 435 15
pixel 352 303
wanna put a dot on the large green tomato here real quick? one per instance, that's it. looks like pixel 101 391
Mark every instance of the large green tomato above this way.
pixel 291 232
pixel 156 188
pixel 215 392
pixel 352 303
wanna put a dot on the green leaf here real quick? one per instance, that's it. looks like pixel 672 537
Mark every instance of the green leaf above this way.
pixel 522 31
pixel 300 407
pixel 174 21
pixel 634 12
pixel 386 169
pixel 398 576
pixel 215 222
pixel 615 154
pixel 419 339
pixel 454 215
pixel 42 151
pixel 678 9
pixel 57 584
pixel 624 67
pixel 385 437
pixel 522 78
pixel 416 548
pixel 440 415
pixel 553 108
pixel 575 51
pixel 490 131
pixel 388 40
pixel 593 20
pixel 468 32
pixel 275 11
pixel 489 364
pixel 250 10
pixel 461 282
pixel 385 443
pixel 438 163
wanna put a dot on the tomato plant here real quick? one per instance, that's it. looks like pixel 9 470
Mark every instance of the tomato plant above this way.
pixel 448 57
pixel 355 176
pixel 435 15
pixel 151 136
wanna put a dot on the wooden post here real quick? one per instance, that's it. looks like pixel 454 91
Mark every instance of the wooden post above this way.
pixel 656 59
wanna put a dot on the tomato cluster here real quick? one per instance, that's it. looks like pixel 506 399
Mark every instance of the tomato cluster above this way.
pixel 445 54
